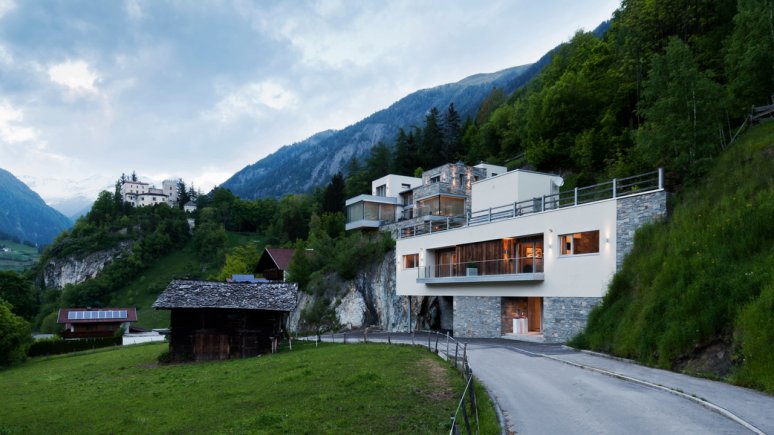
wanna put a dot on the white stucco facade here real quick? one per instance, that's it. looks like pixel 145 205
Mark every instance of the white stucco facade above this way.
pixel 393 185
pixel 584 275
pixel 510 187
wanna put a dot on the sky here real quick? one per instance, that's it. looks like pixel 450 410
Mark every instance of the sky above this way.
pixel 200 89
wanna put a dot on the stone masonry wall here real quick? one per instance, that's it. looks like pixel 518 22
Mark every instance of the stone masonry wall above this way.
pixel 563 318
pixel 632 213
pixel 477 316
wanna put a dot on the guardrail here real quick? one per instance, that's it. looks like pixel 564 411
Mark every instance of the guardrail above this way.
pixel 615 188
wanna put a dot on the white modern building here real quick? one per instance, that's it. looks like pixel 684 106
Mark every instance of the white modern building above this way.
pixel 525 258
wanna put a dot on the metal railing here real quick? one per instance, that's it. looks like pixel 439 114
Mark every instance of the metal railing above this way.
pixel 615 188
pixel 506 266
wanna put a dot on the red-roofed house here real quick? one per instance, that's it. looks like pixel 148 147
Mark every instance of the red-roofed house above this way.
pixel 274 262
pixel 95 322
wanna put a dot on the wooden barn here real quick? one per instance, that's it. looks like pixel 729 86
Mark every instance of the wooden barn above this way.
pixel 223 320
pixel 95 322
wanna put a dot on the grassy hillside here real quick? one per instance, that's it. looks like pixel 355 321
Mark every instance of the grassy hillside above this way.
pixel 143 290
pixel 331 389
pixel 18 258
pixel 697 292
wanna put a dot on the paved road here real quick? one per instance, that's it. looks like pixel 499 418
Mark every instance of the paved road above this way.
pixel 544 396
pixel 551 389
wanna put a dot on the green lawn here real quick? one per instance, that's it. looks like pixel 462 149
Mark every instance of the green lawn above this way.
pixel 366 388
pixel 19 258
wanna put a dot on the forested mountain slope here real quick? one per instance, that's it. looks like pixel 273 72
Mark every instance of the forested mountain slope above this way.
pixel 24 215
pixel 310 163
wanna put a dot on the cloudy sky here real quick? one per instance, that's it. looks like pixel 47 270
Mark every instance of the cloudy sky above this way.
pixel 199 89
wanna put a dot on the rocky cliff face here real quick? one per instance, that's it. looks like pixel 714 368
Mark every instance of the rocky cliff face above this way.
pixel 59 272
pixel 370 300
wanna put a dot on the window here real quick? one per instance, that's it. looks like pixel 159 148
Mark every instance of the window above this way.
pixel 411 261
pixel 381 190
pixel 579 243
pixel 405 186
pixel 436 179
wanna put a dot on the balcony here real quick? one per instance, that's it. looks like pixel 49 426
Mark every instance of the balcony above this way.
pixel 370 212
pixel 505 270
pixel 440 188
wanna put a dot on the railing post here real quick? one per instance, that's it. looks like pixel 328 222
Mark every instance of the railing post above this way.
pixel 660 178
pixel 490 214
pixel 615 187
pixel 515 209
pixel 447 223
pixel 447 345
pixel 467 222
pixel 543 203
pixel 576 196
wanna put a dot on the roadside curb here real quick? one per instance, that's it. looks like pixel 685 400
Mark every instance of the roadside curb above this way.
pixel 709 405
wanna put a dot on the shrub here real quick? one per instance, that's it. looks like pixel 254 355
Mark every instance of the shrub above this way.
pixel 56 345
pixel 15 336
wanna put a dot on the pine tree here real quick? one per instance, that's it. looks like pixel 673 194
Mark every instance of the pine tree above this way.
pixel 431 149
pixel 334 195
pixel 451 135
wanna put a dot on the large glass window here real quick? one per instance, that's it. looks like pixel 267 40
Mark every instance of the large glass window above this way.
pixel 579 243
pixel 381 190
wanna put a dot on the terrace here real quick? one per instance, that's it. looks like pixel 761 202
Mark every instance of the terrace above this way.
pixel 613 189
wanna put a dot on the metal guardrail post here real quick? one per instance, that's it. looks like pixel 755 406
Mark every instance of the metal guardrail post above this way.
pixel 576 196
pixel 543 203
pixel 447 223
pixel 447 344
pixel 490 214
pixel 615 187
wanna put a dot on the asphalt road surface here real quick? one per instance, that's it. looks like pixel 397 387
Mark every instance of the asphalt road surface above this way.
pixel 542 396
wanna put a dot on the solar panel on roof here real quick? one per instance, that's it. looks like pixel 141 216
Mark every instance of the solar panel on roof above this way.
pixel 96 315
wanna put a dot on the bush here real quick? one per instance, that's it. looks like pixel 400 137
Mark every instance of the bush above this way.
pixel 15 336
pixel 56 345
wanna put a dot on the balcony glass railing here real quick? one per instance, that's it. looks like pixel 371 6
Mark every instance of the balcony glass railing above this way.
pixel 506 266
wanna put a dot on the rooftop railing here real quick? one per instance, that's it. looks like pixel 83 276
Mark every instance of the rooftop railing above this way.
pixel 615 188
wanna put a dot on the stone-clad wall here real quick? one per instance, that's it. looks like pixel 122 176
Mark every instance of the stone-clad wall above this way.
pixel 477 316
pixel 563 318
pixel 632 213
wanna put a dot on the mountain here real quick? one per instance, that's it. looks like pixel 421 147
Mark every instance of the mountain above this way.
pixel 24 215
pixel 74 207
pixel 303 165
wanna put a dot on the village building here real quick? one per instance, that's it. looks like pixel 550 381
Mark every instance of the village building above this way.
pixel 508 253
pixel 273 264
pixel 217 320
pixel 95 322
pixel 141 194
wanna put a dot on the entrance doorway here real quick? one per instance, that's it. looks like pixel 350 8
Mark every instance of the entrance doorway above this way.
pixel 522 315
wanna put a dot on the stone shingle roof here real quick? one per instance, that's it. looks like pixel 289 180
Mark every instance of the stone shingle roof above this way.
pixel 273 296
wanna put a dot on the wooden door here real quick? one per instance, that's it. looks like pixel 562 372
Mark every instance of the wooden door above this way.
pixel 534 314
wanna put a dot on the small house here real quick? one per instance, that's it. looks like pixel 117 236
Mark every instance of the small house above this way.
pixel 274 262
pixel 224 320
pixel 95 322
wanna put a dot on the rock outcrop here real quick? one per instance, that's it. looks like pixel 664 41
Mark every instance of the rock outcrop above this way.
pixel 59 272
pixel 370 300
